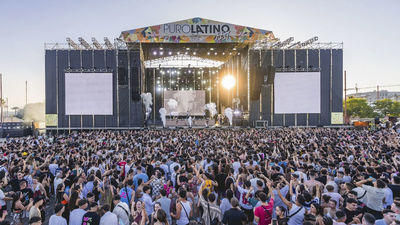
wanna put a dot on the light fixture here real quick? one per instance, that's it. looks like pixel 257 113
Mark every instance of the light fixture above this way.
pixel 228 82
pixel 161 48
pixel 169 53
pixel 186 53
pixel 208 53
pixel 194 53
pixel 212 49
pixel 215 53
pixel 161 53
pixel 155 53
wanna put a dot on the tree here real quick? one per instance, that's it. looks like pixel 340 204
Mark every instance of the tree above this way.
pixel 358 107
pixel 387 107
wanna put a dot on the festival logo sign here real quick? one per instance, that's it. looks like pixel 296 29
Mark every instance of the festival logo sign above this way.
pixel 196 30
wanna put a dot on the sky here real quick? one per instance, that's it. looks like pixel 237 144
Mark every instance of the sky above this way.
pixel 369 29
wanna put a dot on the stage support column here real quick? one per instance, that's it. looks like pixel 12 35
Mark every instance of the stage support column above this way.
pixel 319 67
pixel 307 71
pixel 129 88
pixel 209 82
pixel 295 70
pixel 117 72
pixel 248 79
pixel 237 77
pixel 154 95
pixel 272 91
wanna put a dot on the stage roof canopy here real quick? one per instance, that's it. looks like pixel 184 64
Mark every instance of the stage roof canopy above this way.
pixel 196 30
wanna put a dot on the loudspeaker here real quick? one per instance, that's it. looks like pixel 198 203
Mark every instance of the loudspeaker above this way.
pixel 270 74
pixel 135 89
pixel 257 76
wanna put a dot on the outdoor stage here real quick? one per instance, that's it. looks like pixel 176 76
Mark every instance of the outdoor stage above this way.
pixel 284 83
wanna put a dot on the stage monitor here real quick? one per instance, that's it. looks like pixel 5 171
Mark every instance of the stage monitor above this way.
pixel 88 94
pixel 188 102
pixel 297 92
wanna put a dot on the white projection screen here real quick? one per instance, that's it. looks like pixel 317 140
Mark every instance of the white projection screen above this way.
pixel 88 94
pixel 189 102
pixel 297 92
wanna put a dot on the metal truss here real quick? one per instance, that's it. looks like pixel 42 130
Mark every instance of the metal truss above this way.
pixel 181 61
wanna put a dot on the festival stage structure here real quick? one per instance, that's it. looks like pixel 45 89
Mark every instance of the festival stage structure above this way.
pixel 183 65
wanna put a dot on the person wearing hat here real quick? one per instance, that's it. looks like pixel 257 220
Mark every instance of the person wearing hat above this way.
pixel 75 217
pixel 91 217
pixel 57 218
pixel 35 209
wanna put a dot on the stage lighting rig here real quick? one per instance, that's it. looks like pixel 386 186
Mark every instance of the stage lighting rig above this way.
pixel 96 44
pixel 309 41
pixel 108 43
pixel 84 43
pixel 72 44
pixel 294 45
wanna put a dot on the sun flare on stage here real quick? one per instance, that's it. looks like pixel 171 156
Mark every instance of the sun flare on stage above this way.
pixel 228 82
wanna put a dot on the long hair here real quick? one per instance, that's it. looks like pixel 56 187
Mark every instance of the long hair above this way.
pixel 162 216
pixel 72 200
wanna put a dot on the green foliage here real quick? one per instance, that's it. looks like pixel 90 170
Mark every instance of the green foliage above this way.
pixel 387 107
pixel 358 107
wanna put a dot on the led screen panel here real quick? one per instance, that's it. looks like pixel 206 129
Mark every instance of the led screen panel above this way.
pixel 297 92
pixel 187 102
pixel 88 94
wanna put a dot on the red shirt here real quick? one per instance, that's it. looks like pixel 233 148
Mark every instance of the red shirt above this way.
pixel 264 212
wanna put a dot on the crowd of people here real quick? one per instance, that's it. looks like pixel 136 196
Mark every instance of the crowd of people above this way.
pixel 202 176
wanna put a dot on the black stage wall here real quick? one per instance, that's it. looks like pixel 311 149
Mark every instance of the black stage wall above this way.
pixel 328 61
pixel 126 69
pixel 130 79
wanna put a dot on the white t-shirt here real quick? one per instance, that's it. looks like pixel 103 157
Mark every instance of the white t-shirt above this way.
pixel 375 197
pixel 75 218
pixel 243 201
pixel 57 220
pixel 2 196
pixel 109 218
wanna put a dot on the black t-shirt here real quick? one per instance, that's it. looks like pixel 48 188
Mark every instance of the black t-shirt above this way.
pixel 221 177
pixel 91 218
pixel 350 215
pixel 15 184
pixel 322 179
pixel 234 216
pixel 395 189
pixel 27 194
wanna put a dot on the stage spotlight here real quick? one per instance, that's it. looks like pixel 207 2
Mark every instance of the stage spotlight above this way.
pixel 228 82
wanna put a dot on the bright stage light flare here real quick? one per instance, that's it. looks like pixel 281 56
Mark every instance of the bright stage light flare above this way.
pixel 228 82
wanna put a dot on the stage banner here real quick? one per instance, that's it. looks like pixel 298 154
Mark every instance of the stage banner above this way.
pixel 337 118
pixel 51 120
pixel 196 30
